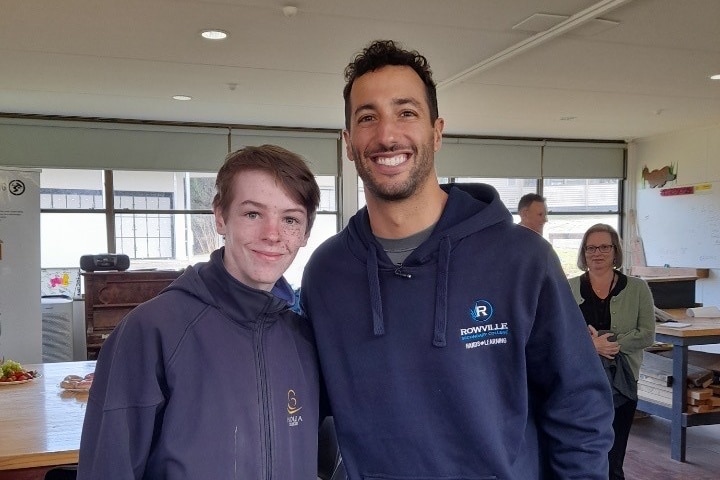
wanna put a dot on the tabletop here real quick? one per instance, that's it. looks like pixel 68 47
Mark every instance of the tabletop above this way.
pixel 40 422
pixel 699 327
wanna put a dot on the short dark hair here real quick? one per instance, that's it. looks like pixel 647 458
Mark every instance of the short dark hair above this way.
pixel 527 200
pixel 288 168
pixel 382 53
pixel 614 238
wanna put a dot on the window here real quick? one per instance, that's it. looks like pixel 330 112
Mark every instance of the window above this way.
pixel 326 225
pixel 582 195
pixel 144 235
pixel 68 198
pixel 574 205
pixel 72 216
pixel 565 233
pixel 158 219
pixel 510 189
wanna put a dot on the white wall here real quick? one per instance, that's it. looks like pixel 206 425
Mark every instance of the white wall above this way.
pixel 697 156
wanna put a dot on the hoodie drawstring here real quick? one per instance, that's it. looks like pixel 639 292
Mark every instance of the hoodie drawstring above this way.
pixel 441 293
pixel 375 299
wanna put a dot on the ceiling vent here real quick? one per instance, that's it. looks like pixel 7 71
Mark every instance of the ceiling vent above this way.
pixel 540 22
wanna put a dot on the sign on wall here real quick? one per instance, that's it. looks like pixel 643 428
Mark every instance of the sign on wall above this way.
pixel 20 314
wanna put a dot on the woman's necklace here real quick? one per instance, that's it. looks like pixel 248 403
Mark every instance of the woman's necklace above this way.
pixel 599 291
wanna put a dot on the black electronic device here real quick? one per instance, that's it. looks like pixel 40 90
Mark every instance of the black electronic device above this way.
pixel 104 262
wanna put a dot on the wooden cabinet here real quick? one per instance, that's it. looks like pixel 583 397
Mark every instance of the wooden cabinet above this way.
pixel 109 296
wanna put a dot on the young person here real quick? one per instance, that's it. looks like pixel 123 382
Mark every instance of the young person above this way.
pixel 216 377
pixel 533 212
pixel 449 340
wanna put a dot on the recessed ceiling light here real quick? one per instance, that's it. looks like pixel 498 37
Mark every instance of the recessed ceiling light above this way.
pixel 289 10
pixel 715 77
pixel 214 34
pixel 181 97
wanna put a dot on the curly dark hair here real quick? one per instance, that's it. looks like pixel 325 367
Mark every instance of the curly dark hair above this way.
pixel 382 53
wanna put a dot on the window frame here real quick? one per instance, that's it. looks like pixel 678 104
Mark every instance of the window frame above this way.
pixel 112 212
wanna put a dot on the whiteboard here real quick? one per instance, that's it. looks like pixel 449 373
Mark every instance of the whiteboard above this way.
pixel 681 230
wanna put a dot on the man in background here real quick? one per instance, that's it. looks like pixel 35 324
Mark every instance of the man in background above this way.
pixel 533 212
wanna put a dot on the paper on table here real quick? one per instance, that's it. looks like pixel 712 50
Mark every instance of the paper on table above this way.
pixel 703 312
pixel 675 324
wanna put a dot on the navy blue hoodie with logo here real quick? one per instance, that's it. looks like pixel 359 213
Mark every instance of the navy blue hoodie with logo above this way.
pixel 471 360
pixel 211 379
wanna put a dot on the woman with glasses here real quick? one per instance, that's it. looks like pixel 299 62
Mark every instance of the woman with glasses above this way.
pixel 620 317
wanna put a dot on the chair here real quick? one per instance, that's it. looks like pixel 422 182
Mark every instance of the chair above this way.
pixel 330 465
pixel 67 472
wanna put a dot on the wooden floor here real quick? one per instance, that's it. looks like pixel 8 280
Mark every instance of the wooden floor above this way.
pixel 648 454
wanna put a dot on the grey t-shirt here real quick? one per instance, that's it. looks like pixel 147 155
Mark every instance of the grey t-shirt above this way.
pixel 398 249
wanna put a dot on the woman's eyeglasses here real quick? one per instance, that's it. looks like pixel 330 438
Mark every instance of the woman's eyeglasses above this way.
pixel 603 248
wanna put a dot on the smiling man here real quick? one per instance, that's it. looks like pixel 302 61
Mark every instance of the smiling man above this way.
pixel 449 341
pixel 216 377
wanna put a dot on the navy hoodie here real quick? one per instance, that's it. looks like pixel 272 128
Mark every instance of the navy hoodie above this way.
pixel 210 379
pixel 469 361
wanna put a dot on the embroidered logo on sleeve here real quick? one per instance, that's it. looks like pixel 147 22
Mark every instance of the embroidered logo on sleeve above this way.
pixel 483 332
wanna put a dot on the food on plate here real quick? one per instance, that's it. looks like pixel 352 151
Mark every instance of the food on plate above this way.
pixel 76 382
pixel 70 381
pixel 12 371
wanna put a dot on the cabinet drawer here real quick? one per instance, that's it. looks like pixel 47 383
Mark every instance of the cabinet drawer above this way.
pixel 104 318
pixel 135 292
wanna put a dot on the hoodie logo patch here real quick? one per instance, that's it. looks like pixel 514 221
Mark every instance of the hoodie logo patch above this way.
pixel 293 409
pixel 483 332
pixel 482 311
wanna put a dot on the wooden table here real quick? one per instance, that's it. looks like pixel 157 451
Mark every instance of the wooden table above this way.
pixel 702 331
pixel 40 422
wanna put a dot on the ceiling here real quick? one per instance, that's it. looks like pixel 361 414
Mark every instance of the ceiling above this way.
pixel 642 70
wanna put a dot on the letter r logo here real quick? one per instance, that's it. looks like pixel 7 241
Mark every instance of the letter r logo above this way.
pixel 481 311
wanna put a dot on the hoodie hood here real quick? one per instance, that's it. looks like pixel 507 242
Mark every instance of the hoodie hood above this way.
pixel 470 208
pixel 211 283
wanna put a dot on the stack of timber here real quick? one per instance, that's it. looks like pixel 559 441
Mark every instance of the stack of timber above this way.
pixel 701 400
pixel 656 381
